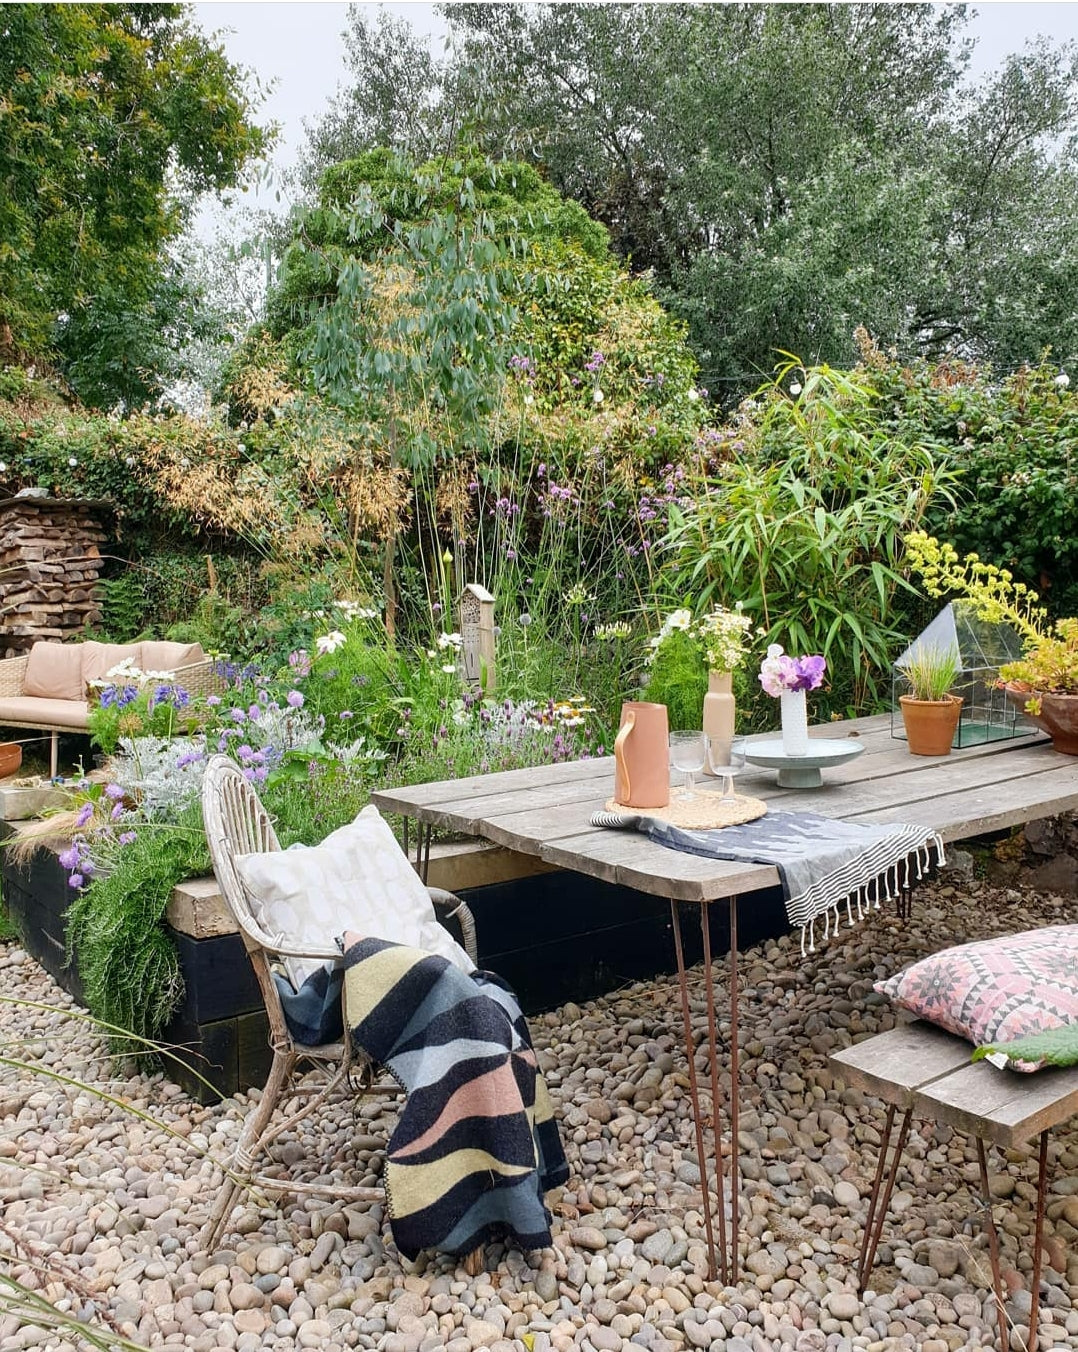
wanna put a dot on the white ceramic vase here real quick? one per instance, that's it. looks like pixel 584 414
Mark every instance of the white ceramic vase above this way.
pixel 794 712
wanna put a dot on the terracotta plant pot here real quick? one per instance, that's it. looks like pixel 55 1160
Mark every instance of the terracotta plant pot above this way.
pixel 1058 716
pixel 10 758
pixel 930 723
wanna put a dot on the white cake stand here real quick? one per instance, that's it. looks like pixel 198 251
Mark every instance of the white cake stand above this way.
pixel 803 772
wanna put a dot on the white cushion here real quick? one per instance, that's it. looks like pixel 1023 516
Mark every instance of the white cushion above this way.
pixel 357 879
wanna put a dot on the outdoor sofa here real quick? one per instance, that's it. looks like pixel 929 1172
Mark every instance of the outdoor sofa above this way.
pixel 47 687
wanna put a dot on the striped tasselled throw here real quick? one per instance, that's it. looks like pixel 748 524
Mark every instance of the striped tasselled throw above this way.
pixel 476 1145
pixel 825 865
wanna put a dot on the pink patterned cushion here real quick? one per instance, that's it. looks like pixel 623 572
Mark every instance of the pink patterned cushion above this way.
pixel 996 990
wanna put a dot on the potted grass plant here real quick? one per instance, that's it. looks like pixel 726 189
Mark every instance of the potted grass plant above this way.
pixel 930 713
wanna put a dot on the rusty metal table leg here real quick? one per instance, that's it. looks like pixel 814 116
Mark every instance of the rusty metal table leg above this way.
pixel 716 1129
pixel 735 1095
pixel 1038 1241
pixel 877 1203
pixel 694 1088
pixel 993 1246
pixel 423 834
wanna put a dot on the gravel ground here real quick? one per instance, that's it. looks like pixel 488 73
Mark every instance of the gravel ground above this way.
pixel 101 1209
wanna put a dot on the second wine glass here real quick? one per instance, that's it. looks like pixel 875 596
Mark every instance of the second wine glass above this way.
pixel 725 759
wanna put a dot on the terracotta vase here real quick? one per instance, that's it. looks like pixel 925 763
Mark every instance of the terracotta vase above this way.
pixel 1058 716
pixel 720 715
pixel 642 756
pixel 930 723
pixel 10 758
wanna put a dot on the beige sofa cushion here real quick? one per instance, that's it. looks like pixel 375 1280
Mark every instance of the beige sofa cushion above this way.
pixel 98 659
pixel 54 671
pixel 29 711
pixel 161 655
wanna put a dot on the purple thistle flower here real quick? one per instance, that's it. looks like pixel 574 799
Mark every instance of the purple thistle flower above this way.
pixel 295 699
pixel 76 880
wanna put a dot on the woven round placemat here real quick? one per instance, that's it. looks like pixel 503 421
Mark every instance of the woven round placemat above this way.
pixel 702 812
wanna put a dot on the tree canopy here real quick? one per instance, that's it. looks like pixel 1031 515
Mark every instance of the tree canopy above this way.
pixel 787 171
pixel 113 119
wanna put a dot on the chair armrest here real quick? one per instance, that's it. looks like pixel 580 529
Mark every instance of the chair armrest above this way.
pixel 259 936
pixel 12 671
pixel 449 906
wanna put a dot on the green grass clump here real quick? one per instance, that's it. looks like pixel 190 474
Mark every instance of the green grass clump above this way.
pixel 128 963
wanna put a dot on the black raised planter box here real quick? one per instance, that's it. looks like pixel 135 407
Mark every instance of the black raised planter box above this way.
pixel 220 1030
pixel 555 937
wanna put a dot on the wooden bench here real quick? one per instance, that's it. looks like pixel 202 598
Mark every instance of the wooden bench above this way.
pixel 922 1069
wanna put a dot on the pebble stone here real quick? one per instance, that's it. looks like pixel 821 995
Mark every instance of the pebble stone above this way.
pixel 107 1205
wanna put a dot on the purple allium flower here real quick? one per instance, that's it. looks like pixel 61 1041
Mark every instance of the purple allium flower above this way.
pixel 213 700
pixel 69 858
pixel 238 715
pixel 295 699
pixel 76 880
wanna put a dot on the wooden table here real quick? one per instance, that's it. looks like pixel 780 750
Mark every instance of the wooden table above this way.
pixel 545 812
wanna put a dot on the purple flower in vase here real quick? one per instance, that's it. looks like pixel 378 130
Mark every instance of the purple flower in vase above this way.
pixel 779 672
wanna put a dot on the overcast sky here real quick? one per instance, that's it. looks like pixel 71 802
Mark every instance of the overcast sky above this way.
pixel 298 48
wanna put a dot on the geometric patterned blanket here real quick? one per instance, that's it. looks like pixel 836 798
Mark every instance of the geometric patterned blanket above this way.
pixel 476 1145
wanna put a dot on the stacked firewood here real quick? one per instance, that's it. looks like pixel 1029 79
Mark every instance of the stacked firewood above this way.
pixel 50 560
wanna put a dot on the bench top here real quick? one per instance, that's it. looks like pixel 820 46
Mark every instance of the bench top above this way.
pixel 922 1067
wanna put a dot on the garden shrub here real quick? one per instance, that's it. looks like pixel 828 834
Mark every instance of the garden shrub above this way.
pixel 802 519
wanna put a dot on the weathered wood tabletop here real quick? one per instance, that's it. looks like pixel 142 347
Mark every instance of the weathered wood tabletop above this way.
pixel 546 811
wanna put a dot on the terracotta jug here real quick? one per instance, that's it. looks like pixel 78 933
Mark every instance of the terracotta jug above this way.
pixel 642 756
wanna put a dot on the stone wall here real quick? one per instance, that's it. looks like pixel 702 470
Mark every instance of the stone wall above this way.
pixel 50 560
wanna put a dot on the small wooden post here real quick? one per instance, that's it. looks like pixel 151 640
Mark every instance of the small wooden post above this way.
pixel 477 631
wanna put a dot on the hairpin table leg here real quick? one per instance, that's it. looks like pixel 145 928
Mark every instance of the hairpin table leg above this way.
pixel 716 1128
pixel 694 1089
pixel 877 1204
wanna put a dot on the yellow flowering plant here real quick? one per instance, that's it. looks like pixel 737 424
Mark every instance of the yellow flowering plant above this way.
pixel 1049 665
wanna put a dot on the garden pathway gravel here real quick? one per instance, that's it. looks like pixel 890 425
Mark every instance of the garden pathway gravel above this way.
pixel 100 1211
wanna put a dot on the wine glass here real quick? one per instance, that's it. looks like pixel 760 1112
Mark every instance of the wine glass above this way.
pixel 725 759
pixel 687 752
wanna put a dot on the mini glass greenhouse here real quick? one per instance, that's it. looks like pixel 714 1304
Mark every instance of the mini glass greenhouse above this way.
pixel 983 647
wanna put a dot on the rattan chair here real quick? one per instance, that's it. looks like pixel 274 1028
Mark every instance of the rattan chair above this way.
pixel 237 823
